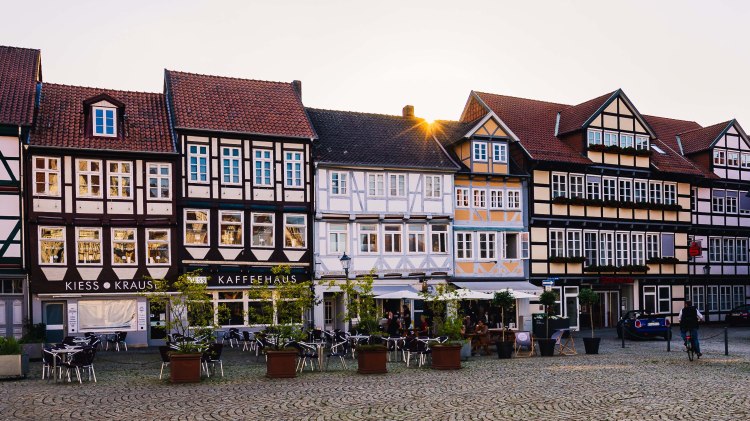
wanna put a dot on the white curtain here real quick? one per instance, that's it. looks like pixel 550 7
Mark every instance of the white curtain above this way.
pixel 106 315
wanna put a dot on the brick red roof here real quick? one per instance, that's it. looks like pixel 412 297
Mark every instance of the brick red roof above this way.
pixel 666 130
pixel 60 120
pixel 698 140
pixel 20 69
pixel 573 117
pixel 225 104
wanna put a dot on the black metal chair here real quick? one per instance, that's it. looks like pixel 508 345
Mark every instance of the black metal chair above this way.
pixel 81 359
pixel 247 341
pixel 164 353
pixel 213 356
pixel 340 351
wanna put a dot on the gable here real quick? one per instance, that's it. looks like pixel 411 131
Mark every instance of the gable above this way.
pixel 490 128
pixel 733 137
pixel 620 114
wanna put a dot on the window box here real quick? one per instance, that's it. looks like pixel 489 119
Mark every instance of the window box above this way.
pixel 563 259
pixel 580 201
pixel 620 151
pixel 663 260
pixel 611 268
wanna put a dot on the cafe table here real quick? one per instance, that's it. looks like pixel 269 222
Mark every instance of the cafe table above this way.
pixel 64 354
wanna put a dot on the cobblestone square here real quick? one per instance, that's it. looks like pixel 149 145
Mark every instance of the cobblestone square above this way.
pixel 639 382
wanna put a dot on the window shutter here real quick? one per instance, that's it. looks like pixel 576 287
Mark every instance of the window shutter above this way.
pixel 524 244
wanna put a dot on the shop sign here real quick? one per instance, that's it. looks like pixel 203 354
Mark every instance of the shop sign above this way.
pixel 242 280
pixel 614 280
pixel 92 286
pixel 695 249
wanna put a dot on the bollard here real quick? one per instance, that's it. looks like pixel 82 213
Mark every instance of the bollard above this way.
pixel 669 339
pixel 726 341
pixel 623 336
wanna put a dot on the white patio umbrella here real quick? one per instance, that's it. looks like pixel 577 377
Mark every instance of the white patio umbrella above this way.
pixel 465 294
pixel 402 294
pixel 518 295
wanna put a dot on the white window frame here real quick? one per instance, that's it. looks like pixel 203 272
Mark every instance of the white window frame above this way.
pixel 627 140
pixel 88 173
pixel 728 250
pixel 159 177
pixel 462 197
pixel 664 298
pixel 442 239
pixel 609 188
pixel 622 250
pixel 715 249
pixel 397 185
pixel 725 298
pixel 591 247
pixel 479 198
pixel 653 249
pixel 223 223
pixel 513 199
pixel 557 243
pixel 745 160
pixel 198 173
pixel 487 242
pixel 606 248
pixel 42 240
pixel 303 227
pixel 119 176
pixel 594 188
pixel 559 185
pixel 368 234
pixel 500 153
pixel 254 224
pixel 229 163
pixel 134 242
pixel 655 192
pixel 263 162
pixel 376 185
pixel 610 138
pixel 638 248
pixel 641 142
pixel 497 199
pixel 339 183
pixel 464 245
pixel 625 190
pixel 741 252
pixel 479 151
pixel 577 186
pixel 670 194
pixel 733 158
pixel 335 237
pixel 47 173
pixel 594 137
pixel 396 234
pixel 418 232
pixel 105 110
pixel 433 186
pixel 187 221
pixel 573 243
pixel 294 169
pixel 717 203
pixel 78 240
pixel 720 157
pixel 731 204
pixel 168 242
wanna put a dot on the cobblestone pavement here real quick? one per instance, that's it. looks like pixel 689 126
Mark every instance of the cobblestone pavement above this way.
pixel 639 382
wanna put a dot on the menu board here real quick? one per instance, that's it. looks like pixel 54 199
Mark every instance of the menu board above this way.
pixel 142 314
pixel 72 317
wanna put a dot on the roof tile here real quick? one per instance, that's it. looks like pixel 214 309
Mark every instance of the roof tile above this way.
pixel 19 71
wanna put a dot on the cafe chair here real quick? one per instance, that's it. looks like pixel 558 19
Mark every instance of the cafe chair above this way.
pixel 247 341
pixel 524 344
pixel 164 353
pixel 213 356
pixel 48 362
pixel 418 349
pixel 83 359
pixel 117 339
pixel 564 342
pixel 305 354
pixel 340 351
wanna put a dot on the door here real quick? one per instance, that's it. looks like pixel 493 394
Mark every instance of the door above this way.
pixel 157 322
pixel 54 318
pixel 571 306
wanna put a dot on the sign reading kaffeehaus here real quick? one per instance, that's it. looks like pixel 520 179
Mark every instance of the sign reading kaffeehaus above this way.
pixel 248 280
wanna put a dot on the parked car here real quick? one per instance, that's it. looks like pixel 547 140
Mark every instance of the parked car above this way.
pixel 638 324
pixel 739 315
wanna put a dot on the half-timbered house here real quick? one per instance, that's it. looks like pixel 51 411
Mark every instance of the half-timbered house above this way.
pixel 383 187
pixel 101 213
pixel 609 202
pixel 20 72
pixel 246 187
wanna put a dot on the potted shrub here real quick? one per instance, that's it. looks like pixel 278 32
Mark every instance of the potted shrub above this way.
pixel 33 340
pixel 588 297
pixel 447 322
pixel 505 300
pixel 13 363
pixel 547 345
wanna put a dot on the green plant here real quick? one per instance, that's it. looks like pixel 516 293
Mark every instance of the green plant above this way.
pixel 34 333
pixel 587 297
pixel 446 319
pixel 547 299
pixel 10 346
pixel 505 300
pixel 360 301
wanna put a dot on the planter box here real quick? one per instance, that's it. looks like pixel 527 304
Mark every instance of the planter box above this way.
pixel 504 349
pixel 185 368
pixel 14 365
pixel 546 347
pixel 540 327
pixel 446 357
pixel 33 350
pixel 372 361
pixel 591 345
pixel 281 364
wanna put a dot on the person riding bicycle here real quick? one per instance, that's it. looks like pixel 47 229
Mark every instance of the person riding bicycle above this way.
pixel 688 318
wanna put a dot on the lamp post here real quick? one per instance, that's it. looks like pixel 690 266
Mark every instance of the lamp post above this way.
pixel 346 263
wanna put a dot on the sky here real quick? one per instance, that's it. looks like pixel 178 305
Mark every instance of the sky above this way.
pixel 681 59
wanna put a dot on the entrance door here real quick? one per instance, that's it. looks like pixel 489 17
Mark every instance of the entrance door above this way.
pixel 329 312
pixel 571 306
pixel 54 318
pixel 157 322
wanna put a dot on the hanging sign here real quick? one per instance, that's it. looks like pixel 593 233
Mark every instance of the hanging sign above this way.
pixel 695 249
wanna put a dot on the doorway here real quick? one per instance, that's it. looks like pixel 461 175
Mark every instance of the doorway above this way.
pixel 607 310
pixel 157 322
pixel 54 318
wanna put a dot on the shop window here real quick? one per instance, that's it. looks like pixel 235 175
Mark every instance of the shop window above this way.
pixel 124 246
pixel 230 228
pixel 46 176
pixel 157 246
pixel 196 227
pixel 295 231
pixel 89 246
pixel 262 229
pixel 51 245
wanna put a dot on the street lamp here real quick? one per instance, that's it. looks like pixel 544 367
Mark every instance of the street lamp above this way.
pixel 706 269
pixel 346 263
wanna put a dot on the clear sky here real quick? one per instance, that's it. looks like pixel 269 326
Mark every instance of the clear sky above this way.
pixel 680 59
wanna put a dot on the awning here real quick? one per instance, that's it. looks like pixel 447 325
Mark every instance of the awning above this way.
pixel 409 294
pixel 517 287
pixel 386 289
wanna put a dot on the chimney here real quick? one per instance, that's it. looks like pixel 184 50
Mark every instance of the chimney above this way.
pixel 297 85
pixel 408 111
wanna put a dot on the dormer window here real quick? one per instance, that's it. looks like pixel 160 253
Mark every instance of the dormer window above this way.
pixel 641 142
pixel 720 157
pixel 105 121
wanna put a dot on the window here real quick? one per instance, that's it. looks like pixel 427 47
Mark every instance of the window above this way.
pixel 556 243
pixel 729 250
pixel 496 199
pixel 104 121
pixel 463 245
pixel 733 159
pixel 609 186
pixel 559 185
pixel 731 202
pixel 196 227
pixel 233 302
pixel 47 176
pixel 693 199
pixel 524 237
pixel 262 229
pixel 667 244
pixel 515 245
pixel 626 140
pixel 89 177
pixel 649 299
pixel 574 244
pixel 593 187
pixel 741 252
pixel 397 185
pixel 665 299
pixel 641 142
pixel 480 198
pixel 124 246
pixel 392 238
pixel 368 238
pixel 626 187
pixel 263 167
pixel 725 293
pixel 159 181
pixel 637 243
pixel 89 246
pixel 738 295
pixel 462 197
pixel 652 246
pixel 119 179
pixel 745 163
pixel 416 238
pixel 713 297
pixel 655 192
pixel 514 199
pixel 230 228
pixel 295 231
pixel 591 248
pixel 606 248
pixel 670 194
pixel 51 245
pixel 499 152
pixel 439 234
pixel 293 163
pixel 623 252
pixel 487 242
pixel 337 238
pixel 697 294
pixel 717 202
pixel 714 249
pixel 480 151
pixel 339 183
pixel 594 137
pixel 576 186
pixel 157 246
pixel 719 157
pixel 433 186
pixel 376 184
pixel 610 139
pixel 198 163
pixel 230 165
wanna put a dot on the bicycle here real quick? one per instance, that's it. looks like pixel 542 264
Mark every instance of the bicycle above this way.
pixel 689 346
